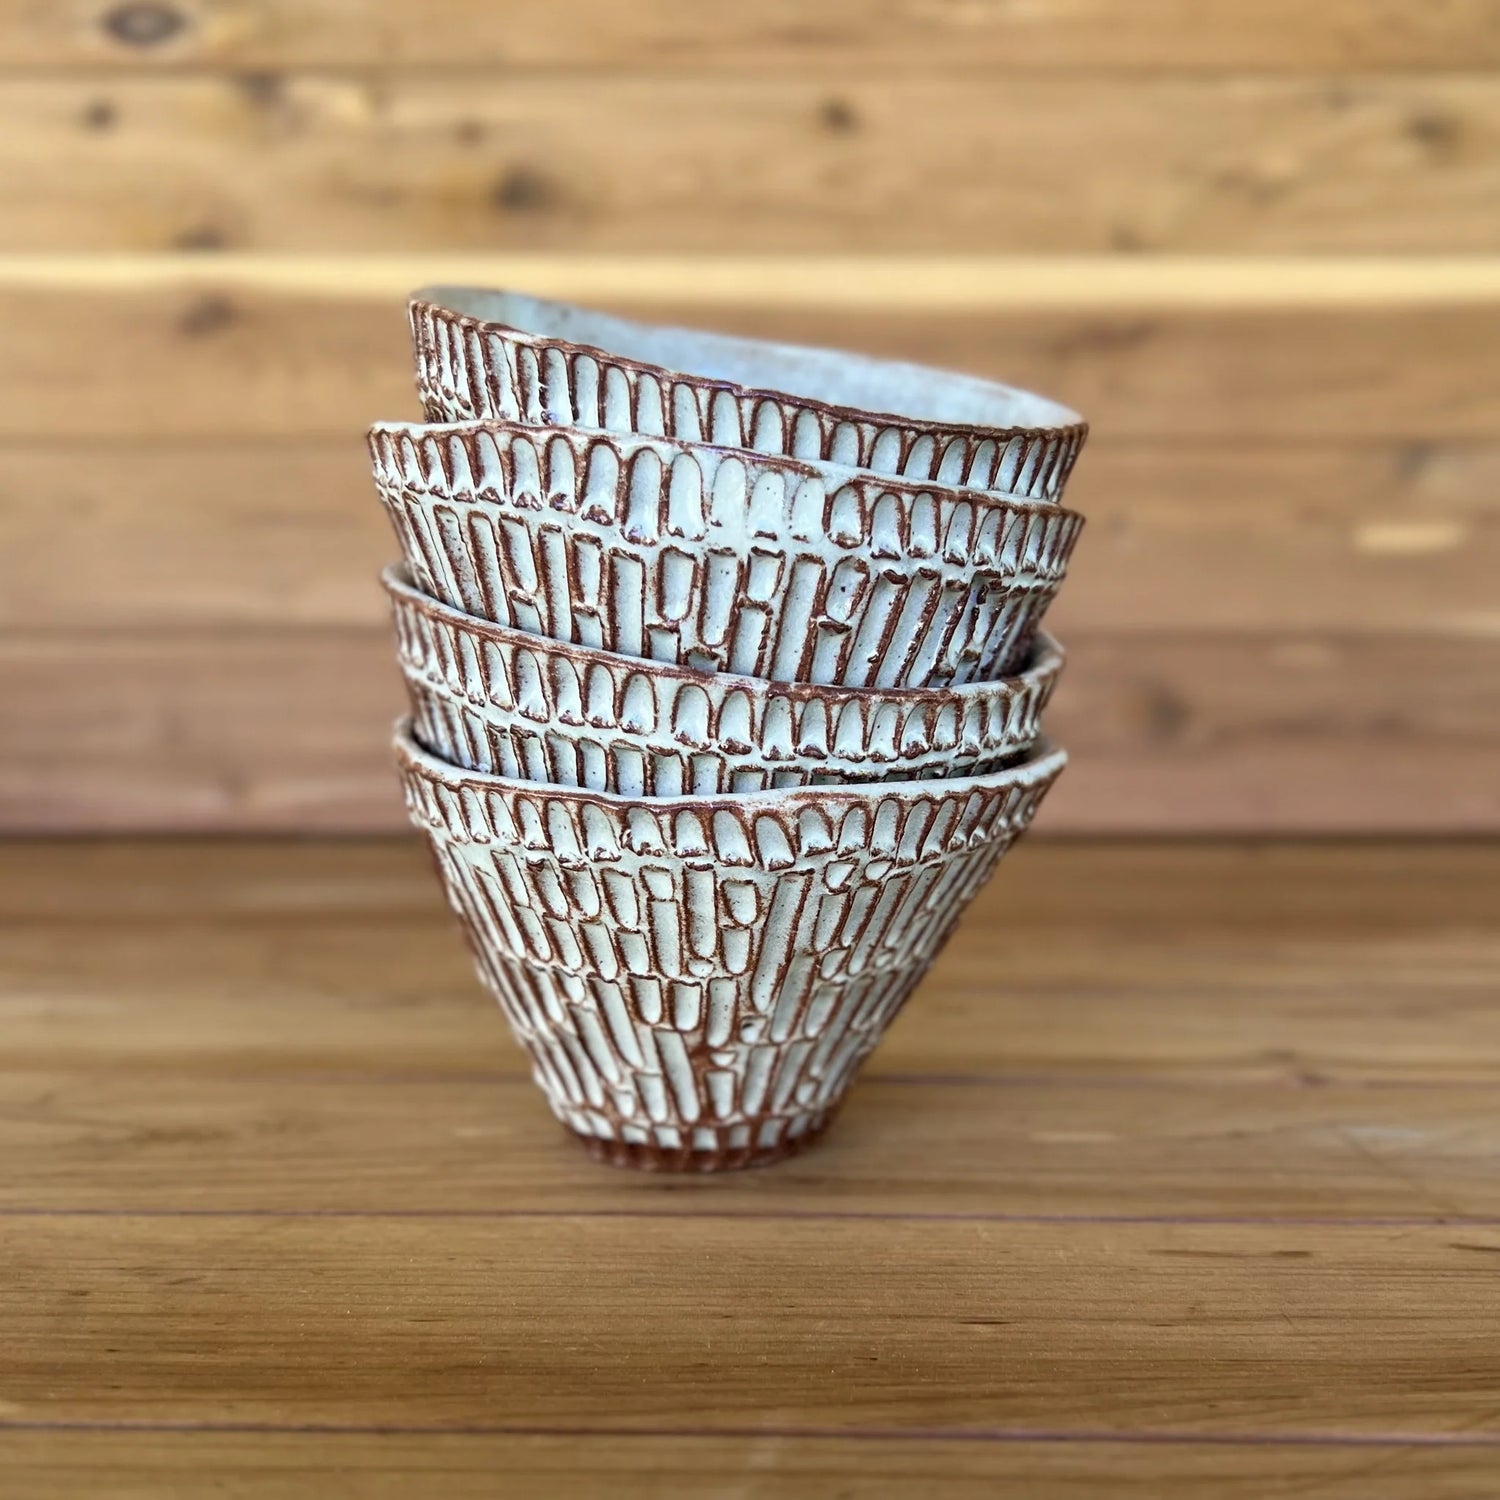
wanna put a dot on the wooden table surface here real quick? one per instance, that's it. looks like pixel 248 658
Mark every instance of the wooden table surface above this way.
pixel 1179 1177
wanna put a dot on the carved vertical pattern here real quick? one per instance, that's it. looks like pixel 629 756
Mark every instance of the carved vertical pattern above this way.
pixel 497 700
pixel 698 980
pixel 740 562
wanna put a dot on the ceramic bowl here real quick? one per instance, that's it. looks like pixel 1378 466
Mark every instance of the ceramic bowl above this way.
pixel 483 354
pixel 719 560
pixel 498 700
pixel 697 980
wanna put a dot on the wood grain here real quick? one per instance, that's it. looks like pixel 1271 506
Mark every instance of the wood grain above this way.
pixel 775 163
pixel 663 35
pixel 285 730
pixel 243 353
pixel 280 1212
pixel 1298 965
pixel 198 729
pixel 1200 536
pixel 289 1465
pixel 930 1326
pixel 143 1142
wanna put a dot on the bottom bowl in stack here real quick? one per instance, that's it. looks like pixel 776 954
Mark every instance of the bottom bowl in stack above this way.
pixel 698 978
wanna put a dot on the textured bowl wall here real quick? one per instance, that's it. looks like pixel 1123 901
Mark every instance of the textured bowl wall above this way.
pixel 722 561
pixel 698 980
pixel 498 700
pixel 552 371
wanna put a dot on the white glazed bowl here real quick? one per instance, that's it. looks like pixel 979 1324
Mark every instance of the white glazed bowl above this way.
pixel 697 980
pixel 498 700
pixel 497 354
pixel 722 560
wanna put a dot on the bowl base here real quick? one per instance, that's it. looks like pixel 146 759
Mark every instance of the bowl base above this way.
pixel 654 1158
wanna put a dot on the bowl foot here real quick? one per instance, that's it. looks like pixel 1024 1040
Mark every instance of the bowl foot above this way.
pixel 649 1157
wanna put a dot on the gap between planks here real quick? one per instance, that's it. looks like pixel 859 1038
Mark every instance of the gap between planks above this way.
pixel 759 1216
pixel 63 1461
pixel 934 1434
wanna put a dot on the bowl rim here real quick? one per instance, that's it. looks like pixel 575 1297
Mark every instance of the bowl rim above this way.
pixel 838 475
pixel 1044 665
pixel 1060 421
pixel 1042 764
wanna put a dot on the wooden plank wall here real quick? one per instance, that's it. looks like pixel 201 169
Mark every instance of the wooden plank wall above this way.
pixel 1256 241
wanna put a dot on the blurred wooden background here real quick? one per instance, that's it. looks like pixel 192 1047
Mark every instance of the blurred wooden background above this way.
pixel 1257 242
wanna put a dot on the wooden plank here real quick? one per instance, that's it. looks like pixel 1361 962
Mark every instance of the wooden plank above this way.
pixel 1299 964
pixel 1357 888
pixel 1260 734
pixel 775 163
pixel 199 729
pixel 190 534
pixel 153 1142
pixel 821 1325
pixel 282 730
pixel 248 353
pixel 286 1465
pixel 216 1263
pixel 667 35
pixel 1211 536
pixel 298 881
pixel 1202 536
pixel 1360 888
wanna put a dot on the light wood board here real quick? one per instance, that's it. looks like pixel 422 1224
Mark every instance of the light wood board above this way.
pixel 281 1210
pixel 672 35
pixel 771 163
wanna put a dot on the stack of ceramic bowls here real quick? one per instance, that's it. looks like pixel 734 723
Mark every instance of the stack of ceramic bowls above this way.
pixel 726 675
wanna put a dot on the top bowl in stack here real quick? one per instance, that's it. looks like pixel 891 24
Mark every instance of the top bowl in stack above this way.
pixel 495 354
pixel 726 666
